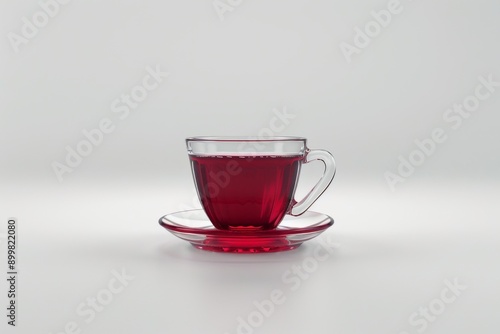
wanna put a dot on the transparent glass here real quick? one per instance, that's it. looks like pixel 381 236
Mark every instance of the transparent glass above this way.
pixel 248 183
pixel 194 227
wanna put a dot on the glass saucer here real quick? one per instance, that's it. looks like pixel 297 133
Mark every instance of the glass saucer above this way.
pixel 195 227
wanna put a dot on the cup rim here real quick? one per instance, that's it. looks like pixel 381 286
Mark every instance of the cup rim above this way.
pixel 234 139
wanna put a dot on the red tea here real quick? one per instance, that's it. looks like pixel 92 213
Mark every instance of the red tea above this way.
pixel 246 192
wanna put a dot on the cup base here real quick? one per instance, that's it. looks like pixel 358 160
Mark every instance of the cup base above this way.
pixel 246 245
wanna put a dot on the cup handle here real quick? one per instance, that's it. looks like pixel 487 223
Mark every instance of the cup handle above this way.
pixel 326 157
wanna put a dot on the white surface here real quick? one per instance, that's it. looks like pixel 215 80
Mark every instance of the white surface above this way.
pixel 392 256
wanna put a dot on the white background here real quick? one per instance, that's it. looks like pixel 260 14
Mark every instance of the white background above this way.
pixel 395 249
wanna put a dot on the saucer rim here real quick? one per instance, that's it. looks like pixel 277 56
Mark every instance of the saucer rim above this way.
pixel 320 226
